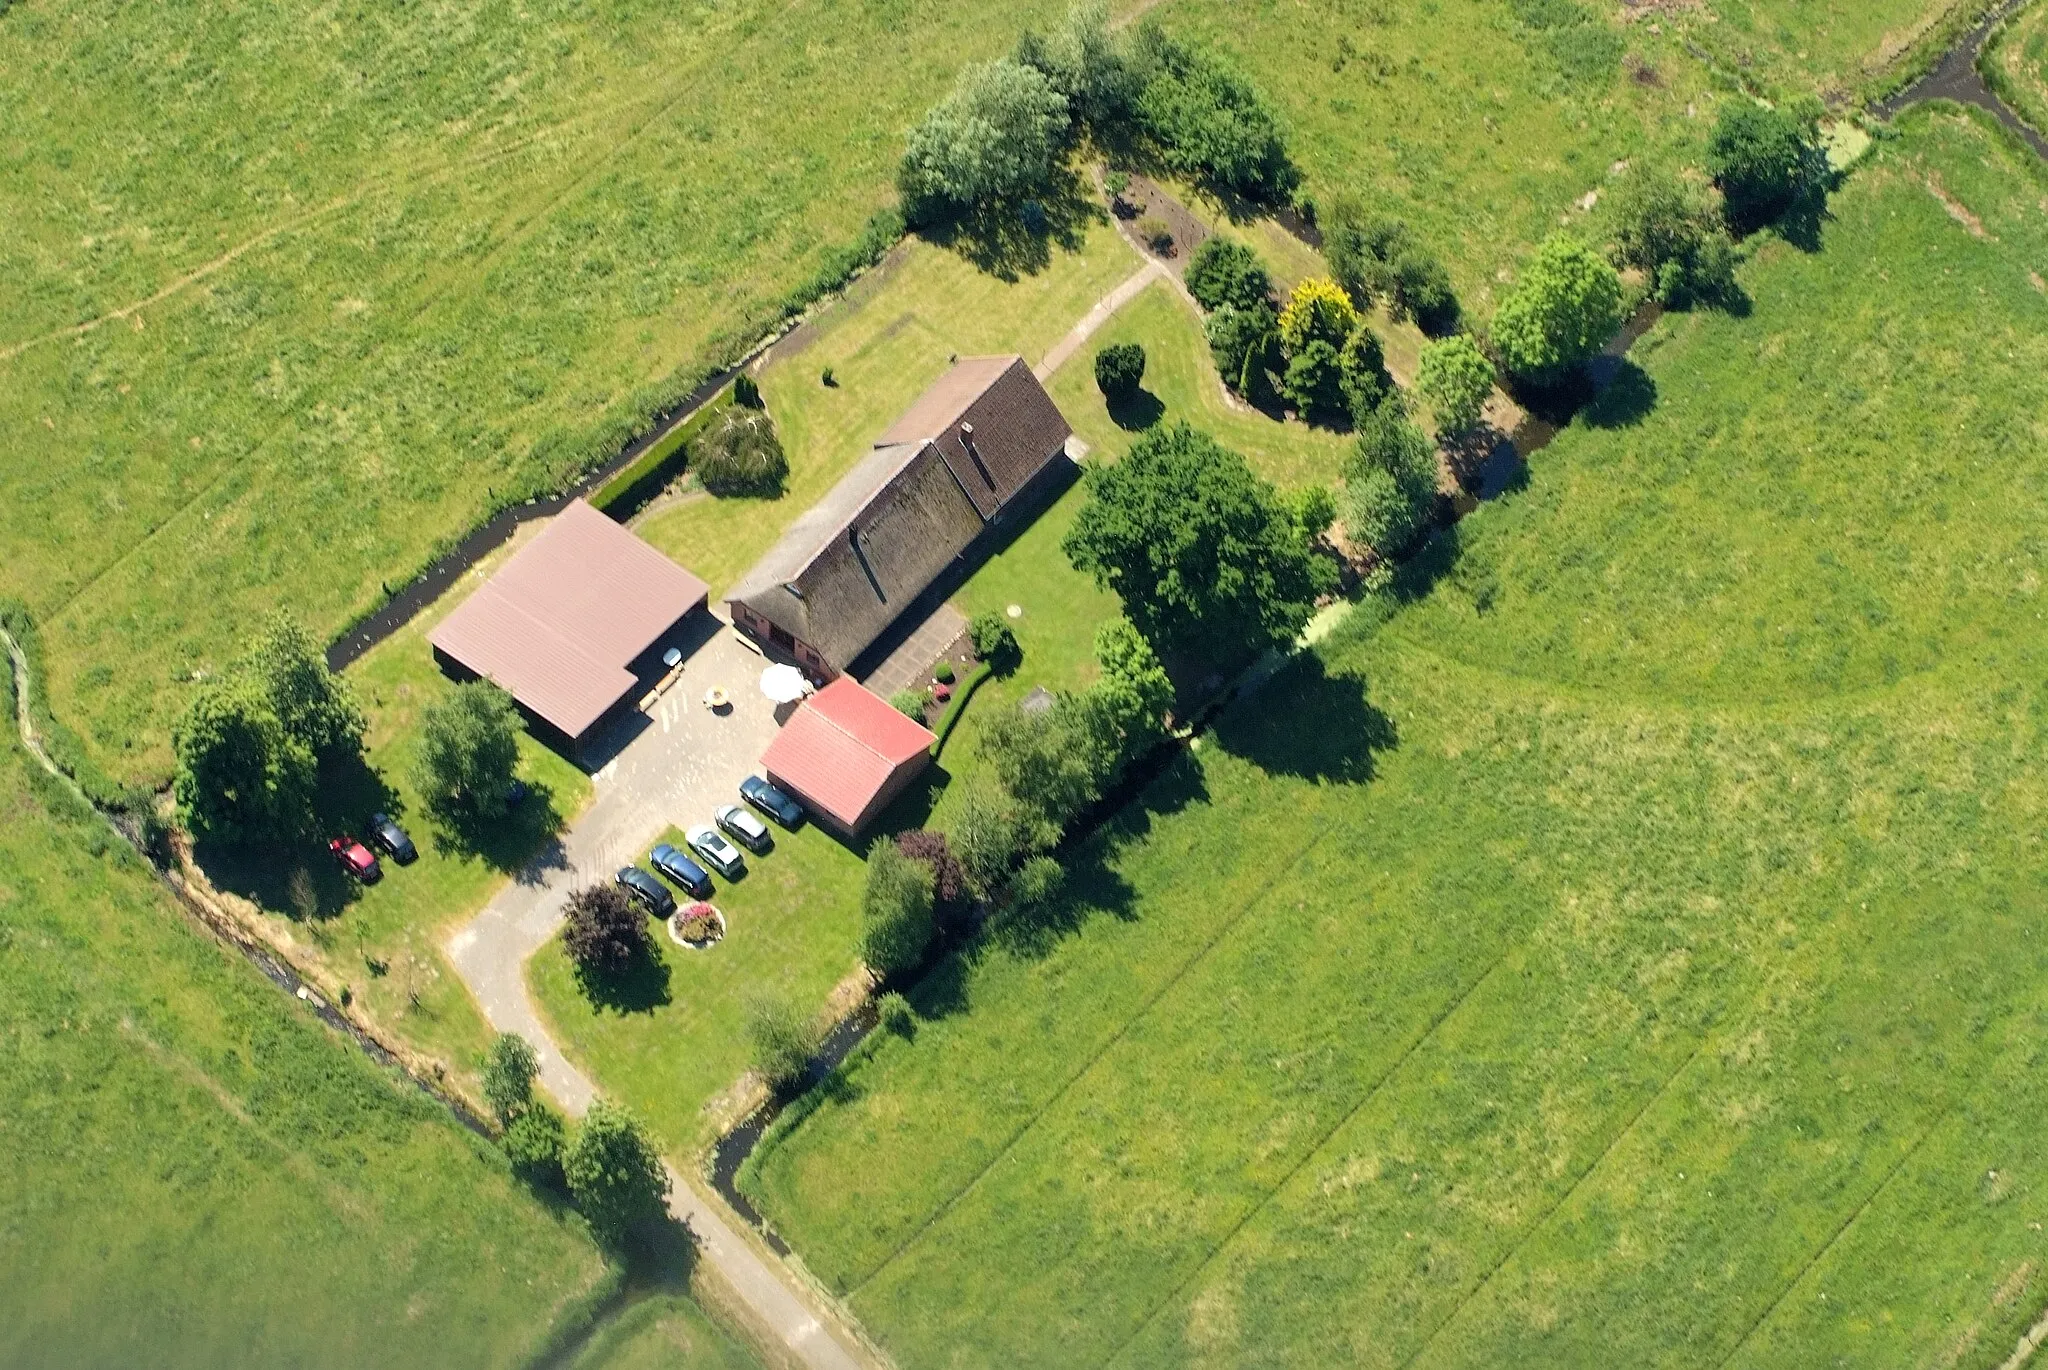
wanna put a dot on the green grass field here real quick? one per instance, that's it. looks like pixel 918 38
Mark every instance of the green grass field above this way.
pixel 199 1174
pixel 670 1039
pixel 1620 950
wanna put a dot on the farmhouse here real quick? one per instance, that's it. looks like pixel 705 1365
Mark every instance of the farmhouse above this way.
pixel 846 753
pixel 968 452
pixel 566 621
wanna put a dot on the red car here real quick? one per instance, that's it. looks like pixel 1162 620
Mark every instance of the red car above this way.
pixel 357 859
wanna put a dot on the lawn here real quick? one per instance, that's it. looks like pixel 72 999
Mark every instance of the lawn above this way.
pixel 1181 383
pixel 671 1036
pixel 891 336
pixel 365 275
pixel 385 941
pixel 663 1332
pixel 199 1174
pixel 1615 949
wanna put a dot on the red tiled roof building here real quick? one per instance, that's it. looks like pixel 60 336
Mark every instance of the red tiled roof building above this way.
pixel 845 754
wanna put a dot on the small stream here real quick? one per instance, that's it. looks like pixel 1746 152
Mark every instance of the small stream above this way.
pixel 1956 77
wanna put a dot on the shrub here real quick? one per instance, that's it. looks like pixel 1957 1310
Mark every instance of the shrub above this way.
pixel 1154 233
pixel 1209 121
pixel 1454 378
pixel 1203 554
pixel 1674 235
pixel 994 642
pixel 911 703
pixel 1314 380
pixel 1133 694
pixel 949 881
pixel 1244 343
pixel 534 1142
pixel 1564 308
pixel 1363 373
pixel 1390 484
pixel 1037 883
pixel 1047 771
pixel 469 751
pixel 896 910
pixel 740 455
pixel 1225 272
pixel 894 1015
pixel 993 141
pixel 746 392
pixel 1318 310
pixel 510 1066
pixel 615 1174
pixel 1375 258
pixel 782 1039
pixel 1764 160
pixel 943 673
pixel 604 931
pixel 985 837
pixel 1120 369
pixel 1315 509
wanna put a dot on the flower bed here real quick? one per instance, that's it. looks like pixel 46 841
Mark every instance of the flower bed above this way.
pixel 696 926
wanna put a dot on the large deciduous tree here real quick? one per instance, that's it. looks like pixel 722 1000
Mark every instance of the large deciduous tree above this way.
pixel 995 140
pixel 1454 378
pixel 615 1174
pixel 1562 310
pixel 240 776
pixel 469 750
pixel 1205 556
pixel 1763 160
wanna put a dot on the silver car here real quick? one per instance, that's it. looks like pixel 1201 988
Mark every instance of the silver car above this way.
pixel 743 828
pixel 721 855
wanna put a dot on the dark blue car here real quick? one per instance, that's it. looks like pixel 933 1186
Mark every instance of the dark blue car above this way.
pixel 681 869
pixel 771 801
pixel 652 894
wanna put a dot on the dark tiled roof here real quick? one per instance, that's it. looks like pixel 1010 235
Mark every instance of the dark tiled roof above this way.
pixel 565 616
pixel 1015 427
pixel 894 522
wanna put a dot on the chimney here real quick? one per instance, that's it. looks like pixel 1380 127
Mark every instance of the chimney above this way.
pixel 967 441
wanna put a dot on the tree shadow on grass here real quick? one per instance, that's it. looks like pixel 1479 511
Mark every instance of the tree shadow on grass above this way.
pixel 640 987
pixel 301 879
pixel 508 842
pixel 1625 399
pixel 1137 411
pixel 1309 723
pixel 1010 242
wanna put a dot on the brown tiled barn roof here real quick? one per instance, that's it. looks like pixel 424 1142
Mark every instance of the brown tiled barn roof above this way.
pixel 565 616
pixel 852 562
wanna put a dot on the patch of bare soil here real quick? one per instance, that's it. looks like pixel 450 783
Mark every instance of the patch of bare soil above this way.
pixel 1957 210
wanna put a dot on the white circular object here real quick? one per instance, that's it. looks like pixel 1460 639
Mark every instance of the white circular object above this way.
pixel 675 923
pixel 1015 611
pixel 783 684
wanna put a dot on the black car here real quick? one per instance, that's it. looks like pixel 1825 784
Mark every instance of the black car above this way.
pixel 681 869
pixel 388 835
pixel 771 801
pixel 648 891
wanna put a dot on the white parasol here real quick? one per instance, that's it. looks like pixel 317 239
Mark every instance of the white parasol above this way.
pixel 784 684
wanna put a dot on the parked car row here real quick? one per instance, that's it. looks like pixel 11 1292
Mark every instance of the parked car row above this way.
pixel 358 860
pixel 711 845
